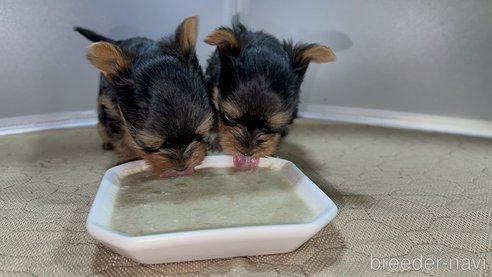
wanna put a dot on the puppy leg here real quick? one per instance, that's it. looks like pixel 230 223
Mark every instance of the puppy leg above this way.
pixel 107 144
pixel 109 126
pixel 124 149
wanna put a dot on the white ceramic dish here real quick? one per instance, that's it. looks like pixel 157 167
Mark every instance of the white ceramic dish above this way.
pixel 213 242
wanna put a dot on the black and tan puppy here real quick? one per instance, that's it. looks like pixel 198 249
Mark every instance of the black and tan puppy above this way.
pixel 153 102
pixel 255 80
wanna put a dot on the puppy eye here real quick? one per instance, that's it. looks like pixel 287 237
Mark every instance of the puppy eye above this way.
pixel 146 148
pixel 260 141
pixel 167 144
pixel 228 121
pixel 149 150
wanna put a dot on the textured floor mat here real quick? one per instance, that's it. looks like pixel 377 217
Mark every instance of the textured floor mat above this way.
pixel 402 196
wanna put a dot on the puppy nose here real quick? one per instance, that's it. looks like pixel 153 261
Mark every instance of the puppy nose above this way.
pixel 180 167
pixel 247 153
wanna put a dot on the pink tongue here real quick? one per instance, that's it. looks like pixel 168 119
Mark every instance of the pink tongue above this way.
pixel 244 162
pixel 174 173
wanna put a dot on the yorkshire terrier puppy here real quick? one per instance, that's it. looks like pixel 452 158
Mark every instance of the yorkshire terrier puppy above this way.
pixel 254 81
pixel 153 102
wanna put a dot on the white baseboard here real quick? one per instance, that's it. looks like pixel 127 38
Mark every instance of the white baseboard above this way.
pixel 392 119
pixel 401 120
pixel 32 123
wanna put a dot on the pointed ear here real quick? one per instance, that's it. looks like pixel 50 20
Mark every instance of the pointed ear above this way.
pixel 303 54
pixel 225 40
pixel 187 34
pixel 314 53
pixel 108 58
pixel 227 49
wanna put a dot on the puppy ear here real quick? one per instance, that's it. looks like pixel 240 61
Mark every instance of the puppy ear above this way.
pixel 108 58
pixel 227 49
pixel 315 53
pixel 225 40
pixel 187 34
pixel 303 54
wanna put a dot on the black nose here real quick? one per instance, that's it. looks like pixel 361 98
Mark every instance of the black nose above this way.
pixel 247 153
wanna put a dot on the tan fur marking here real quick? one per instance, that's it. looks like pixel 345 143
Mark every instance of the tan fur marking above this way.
pixel 279 119
pixel 189 34
pixel 149 139
pixel 107 57
pixel 227 140
pixel 215 97
pixel 317 54
pixel 109 106
pixel 230 144
pixel 231 110
pixel 160 163
pixel 269 146
pixel 222 38
pixel 198 155
pixel 206 125
pixel 126 149
pixel 107 142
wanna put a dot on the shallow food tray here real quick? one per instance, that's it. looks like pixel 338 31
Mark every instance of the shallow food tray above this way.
pixel 207 215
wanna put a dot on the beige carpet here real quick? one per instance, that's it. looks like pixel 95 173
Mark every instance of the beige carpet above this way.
pixel 405 195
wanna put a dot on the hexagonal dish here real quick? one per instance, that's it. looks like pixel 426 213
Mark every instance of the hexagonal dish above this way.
pixel 215 213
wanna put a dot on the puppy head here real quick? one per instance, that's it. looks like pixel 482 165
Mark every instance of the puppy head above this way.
pixel 173 147
pixel 252 119
pixel 163 103
pixel 258 95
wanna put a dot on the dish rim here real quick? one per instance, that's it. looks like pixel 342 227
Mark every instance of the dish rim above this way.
pixel 129 242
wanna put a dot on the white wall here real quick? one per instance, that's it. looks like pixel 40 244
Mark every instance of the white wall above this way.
pixel 431 57
pixel 420 56
pixel 43 67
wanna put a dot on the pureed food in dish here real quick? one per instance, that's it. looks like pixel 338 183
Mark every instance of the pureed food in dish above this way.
pixel 211 198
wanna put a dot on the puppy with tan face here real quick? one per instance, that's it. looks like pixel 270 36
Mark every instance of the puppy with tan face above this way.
pixel 254 81
pixel 153 102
